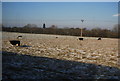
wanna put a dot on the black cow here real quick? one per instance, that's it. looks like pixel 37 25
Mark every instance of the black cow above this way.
pixel 19 37
pixel 15 42
pixel 99 38
pixel 80 38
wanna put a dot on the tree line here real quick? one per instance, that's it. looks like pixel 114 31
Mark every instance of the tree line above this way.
pixel 94 32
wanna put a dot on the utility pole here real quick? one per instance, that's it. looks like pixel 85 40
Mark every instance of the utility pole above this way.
pixel 81 27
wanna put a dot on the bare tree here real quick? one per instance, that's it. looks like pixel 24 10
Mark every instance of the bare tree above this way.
pixel 30 25
pixel 53 27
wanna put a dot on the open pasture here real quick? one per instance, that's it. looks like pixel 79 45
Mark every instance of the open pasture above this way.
pixel 66 55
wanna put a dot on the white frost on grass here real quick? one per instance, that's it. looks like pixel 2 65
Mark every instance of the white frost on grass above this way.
pixel 89 50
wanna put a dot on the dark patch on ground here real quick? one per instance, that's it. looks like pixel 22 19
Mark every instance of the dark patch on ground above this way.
pixel 24 67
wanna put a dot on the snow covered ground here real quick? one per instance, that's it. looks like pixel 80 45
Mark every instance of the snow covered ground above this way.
pixel 100 53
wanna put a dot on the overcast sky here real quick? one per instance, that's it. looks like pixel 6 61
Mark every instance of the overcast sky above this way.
pixel 62 14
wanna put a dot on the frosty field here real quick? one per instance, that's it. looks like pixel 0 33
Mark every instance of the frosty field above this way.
pixel 64 57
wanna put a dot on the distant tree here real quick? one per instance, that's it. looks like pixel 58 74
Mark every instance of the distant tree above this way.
pixel 53 27
pixel 14 29
pixel 115 28
pixel 30 25
pixel 95 32
pixel 1 25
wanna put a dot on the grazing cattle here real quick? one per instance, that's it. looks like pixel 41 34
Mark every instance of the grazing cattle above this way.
pixel 19 37
pixel 99 38
pixel 80 38
pixel 56 37
pixel 15 42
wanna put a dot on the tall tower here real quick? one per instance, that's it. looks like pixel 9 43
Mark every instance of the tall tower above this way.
pixel 44 25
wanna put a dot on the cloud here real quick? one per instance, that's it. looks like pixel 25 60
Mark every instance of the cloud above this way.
pixel 116 15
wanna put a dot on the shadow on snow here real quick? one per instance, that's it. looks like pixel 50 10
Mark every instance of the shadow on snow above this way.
pixel 19 66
